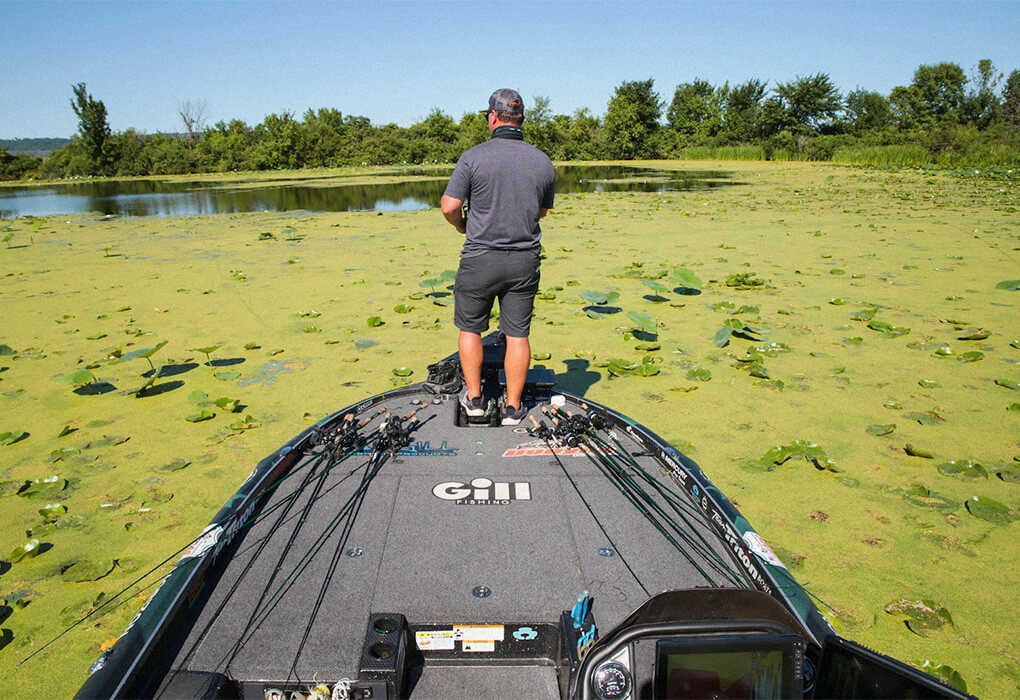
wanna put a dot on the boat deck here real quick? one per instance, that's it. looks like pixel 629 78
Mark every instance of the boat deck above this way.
pixel 468 525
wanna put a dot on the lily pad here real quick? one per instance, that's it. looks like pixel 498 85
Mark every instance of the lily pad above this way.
pixel 81 377
pixel 642 321
pixel 87 570
pixel 991 510
pixel 887 329
pixel 402 372
pixel 921 616
pixel 143 352
pixel 920 495
pixel 43 488
pixel 780 454
pixel 176 465
pixel 686 279
pixel 946 674
pixel 374 321
pixel 658 287
pixel 963 468
pixel 10 437
pixel 1008 383
pixel 128 564
pixel 246 423
pixel 25 551
pixel 1009 474
pixel 599 298
pixel 972 356
pixel 1009 285
pixel 203 415
pixel 540 356
pixel 975 334
pixel 917 452
pixel 226 376
pixel 925 417
pixel 53 510
pixel 403 309
pixel 880 430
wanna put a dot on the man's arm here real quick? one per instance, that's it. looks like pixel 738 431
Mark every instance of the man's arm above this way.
pixel 454 213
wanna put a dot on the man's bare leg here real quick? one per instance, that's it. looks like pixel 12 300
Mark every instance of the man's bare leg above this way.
pixel 515 365
pixel 471 355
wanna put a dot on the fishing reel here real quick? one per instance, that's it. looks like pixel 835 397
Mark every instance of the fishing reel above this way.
pixel 395 432
pixel 339 439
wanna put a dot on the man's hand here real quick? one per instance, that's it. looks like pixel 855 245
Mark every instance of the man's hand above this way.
pixel 454 212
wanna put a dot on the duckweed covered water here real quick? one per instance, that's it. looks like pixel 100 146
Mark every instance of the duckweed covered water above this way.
pixel 833 345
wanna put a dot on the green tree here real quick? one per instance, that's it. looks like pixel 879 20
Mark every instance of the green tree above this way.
pixel 583 137
pixel 433 140
pixel 867 111
pixel 472 130
pixel 224 145
pixel 742 111
pixel 812 103
pixel 697 109
pixel 1011 100
pixel 16 167
pixel 320 138
pixel 632 120
pixel 93 131
pixel 539 128
pixel 982 104
pixel 936 95
pixel 275 143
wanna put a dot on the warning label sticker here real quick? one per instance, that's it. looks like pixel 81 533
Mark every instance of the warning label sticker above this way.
pixel 479 646
pixel 478 633
pixel 434 640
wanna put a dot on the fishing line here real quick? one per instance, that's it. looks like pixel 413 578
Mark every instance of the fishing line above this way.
pixel 262 493
pixel 289 499
pixel 616 477
pixel 373 465
pixel 595 517
pixel 334 562
pixel 710 555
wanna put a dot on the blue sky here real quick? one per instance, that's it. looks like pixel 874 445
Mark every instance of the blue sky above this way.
pixel 396 61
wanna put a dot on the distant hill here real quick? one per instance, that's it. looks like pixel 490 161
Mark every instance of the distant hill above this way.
pixel 34 147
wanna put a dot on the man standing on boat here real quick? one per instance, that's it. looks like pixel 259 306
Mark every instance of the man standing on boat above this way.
pixel 508 185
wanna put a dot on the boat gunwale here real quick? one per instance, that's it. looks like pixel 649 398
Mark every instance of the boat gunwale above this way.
pixel 182 584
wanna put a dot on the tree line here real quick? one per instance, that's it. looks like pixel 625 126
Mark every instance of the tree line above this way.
pixel 943 117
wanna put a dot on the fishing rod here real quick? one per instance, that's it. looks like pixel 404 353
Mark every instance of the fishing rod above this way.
pixel 578 429
pixel 542 431
pixel 391 436
pixel 345 436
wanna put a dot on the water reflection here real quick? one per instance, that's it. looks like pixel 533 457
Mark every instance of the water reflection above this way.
pixel 182 198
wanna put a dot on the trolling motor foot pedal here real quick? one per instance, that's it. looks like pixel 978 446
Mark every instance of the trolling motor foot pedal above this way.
pixel 490 418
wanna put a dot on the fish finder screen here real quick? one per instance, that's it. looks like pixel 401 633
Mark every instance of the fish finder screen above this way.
pixel 757 666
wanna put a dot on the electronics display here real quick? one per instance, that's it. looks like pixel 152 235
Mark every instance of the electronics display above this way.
pixel 745 667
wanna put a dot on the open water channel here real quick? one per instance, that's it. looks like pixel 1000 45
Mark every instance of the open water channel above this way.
pixel 421 190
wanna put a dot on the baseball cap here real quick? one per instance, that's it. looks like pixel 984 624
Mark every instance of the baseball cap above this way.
pixel 506 100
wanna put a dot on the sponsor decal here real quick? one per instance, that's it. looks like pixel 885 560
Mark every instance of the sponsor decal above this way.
pixel 525 634
pixel 669 457
pixel 538 448
pixel 758 546
pixel 206 541
pixel 483 492
pixel 418 449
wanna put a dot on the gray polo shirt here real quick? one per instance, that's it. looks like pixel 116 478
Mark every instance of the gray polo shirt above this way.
pixel 505 182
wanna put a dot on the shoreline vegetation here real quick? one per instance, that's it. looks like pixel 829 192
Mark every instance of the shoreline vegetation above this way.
pixel 836 346
pixel 941 118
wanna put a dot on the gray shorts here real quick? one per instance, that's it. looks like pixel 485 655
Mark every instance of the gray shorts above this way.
pixel 508 275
